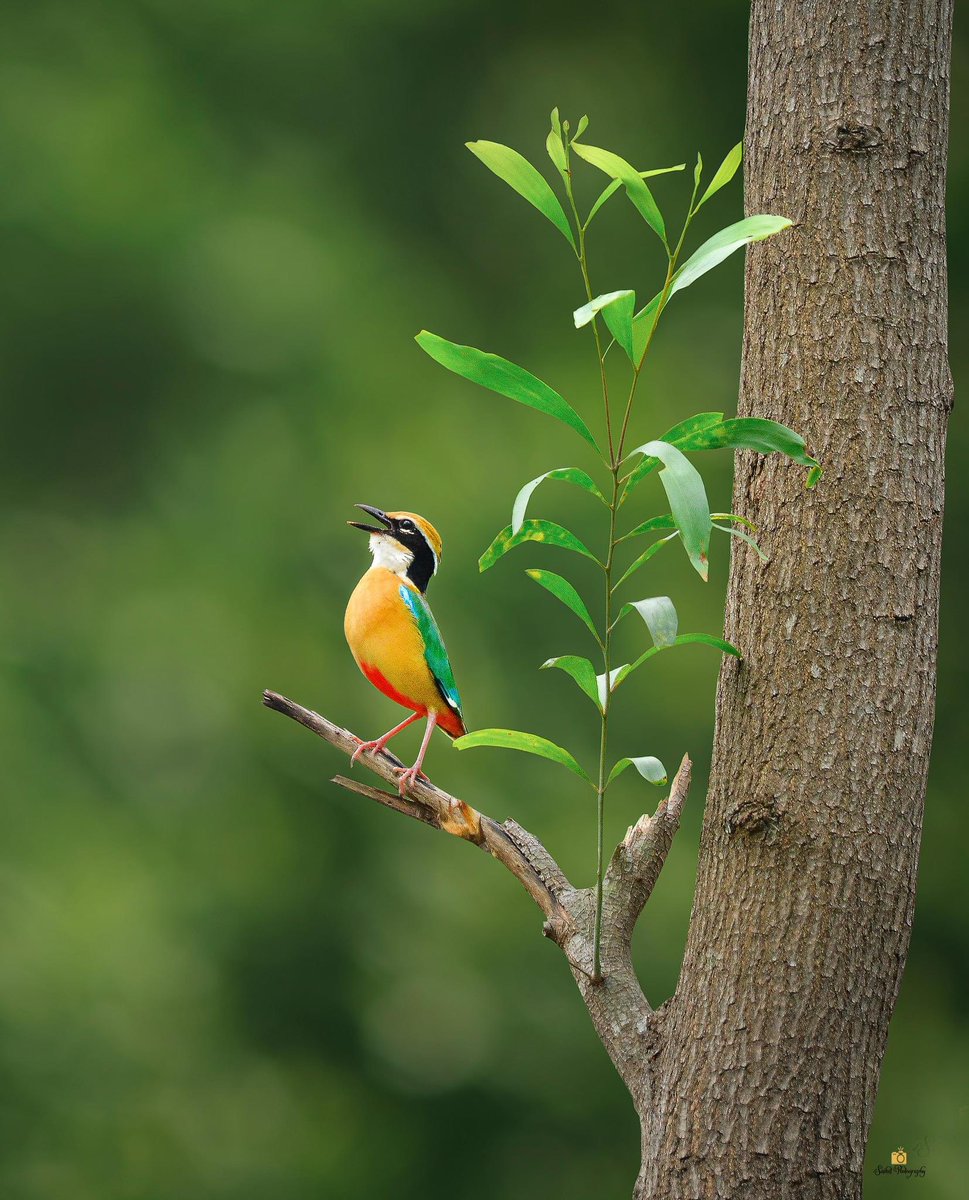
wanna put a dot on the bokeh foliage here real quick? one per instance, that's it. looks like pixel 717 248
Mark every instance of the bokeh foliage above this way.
pixel 221 226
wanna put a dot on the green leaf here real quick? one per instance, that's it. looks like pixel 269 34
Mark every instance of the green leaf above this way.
pixel 660 617
pixel 505 378
pixel 567 474
pixel 636 188
pixel 617 312
pixel 646 556
pixel 520 175
pixel 611 188
pixel 642 327
pixel 735 517
pixel 532 530
pixel 555 148
pixel 678 436
pixel 666 521
pixel 562 590
pixel 697 172
pixel 530 743
pixel 581 670
pixel 582 126
pixel 651 769
pixel 601 683
pixel 754 433
pixel 582 316
pixel 725 172
pixel 744 537
pixel 723 244
pixel 688 501
pixel 708 639
pixel 683 639
pixel 556 152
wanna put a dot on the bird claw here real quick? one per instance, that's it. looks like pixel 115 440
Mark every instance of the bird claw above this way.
pixel 364 746
pixel 407 776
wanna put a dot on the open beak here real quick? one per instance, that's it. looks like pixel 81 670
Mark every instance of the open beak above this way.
pixel 374 512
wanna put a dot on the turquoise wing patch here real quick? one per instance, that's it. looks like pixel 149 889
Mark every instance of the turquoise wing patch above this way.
pixel 434 653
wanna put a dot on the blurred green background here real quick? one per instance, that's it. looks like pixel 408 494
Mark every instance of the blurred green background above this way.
pixel 221 225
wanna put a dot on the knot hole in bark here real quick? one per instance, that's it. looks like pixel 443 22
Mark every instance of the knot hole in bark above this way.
pixel 755 816
pixel 853 137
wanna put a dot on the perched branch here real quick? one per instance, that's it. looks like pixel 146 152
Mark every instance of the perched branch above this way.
pixel 615 1000
pixel 522 853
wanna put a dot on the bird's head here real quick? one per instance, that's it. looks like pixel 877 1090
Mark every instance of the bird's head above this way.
pixel 407 544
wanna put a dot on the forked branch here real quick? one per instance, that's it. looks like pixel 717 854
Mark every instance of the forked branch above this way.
pixel 615 1000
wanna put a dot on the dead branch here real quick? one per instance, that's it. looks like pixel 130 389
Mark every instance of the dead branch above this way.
pixel 616 1002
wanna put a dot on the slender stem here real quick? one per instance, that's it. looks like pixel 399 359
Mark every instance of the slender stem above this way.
pixel 602 784
pixel 673 259
pixel 584 266
pixel 615 459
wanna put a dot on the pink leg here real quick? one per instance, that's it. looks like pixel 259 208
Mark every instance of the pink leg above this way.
pixel 381 742
pixel 408 776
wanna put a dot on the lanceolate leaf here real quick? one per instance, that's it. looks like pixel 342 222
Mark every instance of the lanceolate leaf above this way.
pixel 611 164
pixel 581 670
pixel 684 639
pixel 553 144
pixel 660 617
pixel 519 174
pixel 678 436
pixel 688 501
pixel 603 691
pixel 709 431
pixel 754 433
pixel 562 590
pixel 651 769
pixel 646 556
pixel 530 743
pixel 568 474
pixel 532 530
pixel 708 639
pixel 666 521
pixel 612 188
pixel 723 244
pixel 617 312
pixel 737 520
pixel 744 537
pixel 642 327
pixel 725 172
pixel 505 378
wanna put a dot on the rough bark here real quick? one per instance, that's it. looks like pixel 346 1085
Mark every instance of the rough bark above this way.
pixel 770 1051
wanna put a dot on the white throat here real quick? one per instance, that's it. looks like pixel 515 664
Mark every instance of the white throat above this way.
pixel 390 554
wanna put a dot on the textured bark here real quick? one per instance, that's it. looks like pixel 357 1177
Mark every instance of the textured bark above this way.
pixel 770 1051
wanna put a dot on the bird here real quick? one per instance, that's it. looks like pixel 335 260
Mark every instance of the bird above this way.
pixel 392 633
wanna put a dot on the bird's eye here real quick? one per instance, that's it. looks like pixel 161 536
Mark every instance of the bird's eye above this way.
pixel 407 526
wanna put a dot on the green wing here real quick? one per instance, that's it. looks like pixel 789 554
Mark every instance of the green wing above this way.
pixel 435 654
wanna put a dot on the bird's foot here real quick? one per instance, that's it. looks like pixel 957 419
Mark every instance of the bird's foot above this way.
pixel 407 777
pixel 378 745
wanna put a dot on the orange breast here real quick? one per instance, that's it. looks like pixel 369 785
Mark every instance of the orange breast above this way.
pixel 388 648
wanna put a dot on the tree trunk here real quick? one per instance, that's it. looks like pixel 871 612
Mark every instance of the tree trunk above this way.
pixel 769 1054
